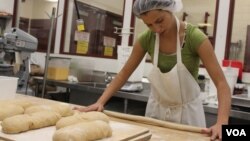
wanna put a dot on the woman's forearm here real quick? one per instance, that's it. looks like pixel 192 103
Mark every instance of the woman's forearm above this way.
pixel 113 87
pixel 224 100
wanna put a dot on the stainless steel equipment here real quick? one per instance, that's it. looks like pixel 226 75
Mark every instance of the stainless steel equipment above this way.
pixel 17 40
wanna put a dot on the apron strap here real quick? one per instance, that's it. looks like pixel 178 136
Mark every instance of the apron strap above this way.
pixel 178 44
pixel 156 50
pixel 157 41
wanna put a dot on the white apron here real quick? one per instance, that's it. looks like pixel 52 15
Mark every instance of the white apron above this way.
pixel 174 95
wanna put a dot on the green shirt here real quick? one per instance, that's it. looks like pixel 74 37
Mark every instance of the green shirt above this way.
pixel 190 58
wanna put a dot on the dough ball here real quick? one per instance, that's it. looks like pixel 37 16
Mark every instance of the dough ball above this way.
pixel 8 110
pixel 94 115
pixel 16 124
pixel 43 119
pixel 62 109
pixel 21 102
pixel 84 131
pixel 81 117
pixel 25 122
pixel 70 120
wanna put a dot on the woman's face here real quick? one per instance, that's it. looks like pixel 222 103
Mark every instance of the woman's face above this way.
pixel 158 21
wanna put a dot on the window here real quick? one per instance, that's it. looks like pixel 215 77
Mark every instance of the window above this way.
pixel 100 20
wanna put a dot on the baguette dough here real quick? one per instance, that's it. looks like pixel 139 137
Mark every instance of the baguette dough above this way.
pixel 155 122
pixel 21 102
pixel 63 109
pixel 43 119
pixel 21 123
pixel 83 131
pixel 16 124
pixel 8 110
pixel 80 117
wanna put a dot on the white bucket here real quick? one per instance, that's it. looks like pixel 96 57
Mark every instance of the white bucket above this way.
pixel 8 87
pixel 123 55
pixel 231 75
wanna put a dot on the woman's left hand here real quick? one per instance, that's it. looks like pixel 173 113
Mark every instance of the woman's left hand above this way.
pixel 215 132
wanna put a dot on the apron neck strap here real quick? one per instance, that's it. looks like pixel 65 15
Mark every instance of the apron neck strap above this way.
pixel 178 46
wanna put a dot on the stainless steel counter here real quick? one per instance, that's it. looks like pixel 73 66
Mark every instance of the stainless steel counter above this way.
pixel 98 88
pixel 241 100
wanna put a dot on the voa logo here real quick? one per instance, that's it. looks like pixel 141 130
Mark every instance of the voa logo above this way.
pixel 236 132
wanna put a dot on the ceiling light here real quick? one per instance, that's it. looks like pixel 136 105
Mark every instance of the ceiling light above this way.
pixel 52 0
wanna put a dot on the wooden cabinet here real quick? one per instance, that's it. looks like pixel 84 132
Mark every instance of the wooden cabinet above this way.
pixel 98 23
pixel 40 28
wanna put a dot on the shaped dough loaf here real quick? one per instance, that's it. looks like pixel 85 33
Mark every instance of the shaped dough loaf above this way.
pixel 63 109
pixel 80 117
pixel 8 110
pixel 21 123
pixel 21 102
pixel 43 119
pixel 16 124
pixel 83 131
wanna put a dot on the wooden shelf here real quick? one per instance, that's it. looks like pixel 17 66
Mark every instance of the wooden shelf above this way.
pixel 5 15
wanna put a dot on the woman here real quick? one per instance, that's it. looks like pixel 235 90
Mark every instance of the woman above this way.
pixel 176 48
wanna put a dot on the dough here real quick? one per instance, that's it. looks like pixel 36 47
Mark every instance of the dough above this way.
pixel 79 117
pixel 8 110
pixel 43 119
pixel 16 124
pixel 83 131
pixel 94 115
pixel 63 109
pixel 155 122
pixel 21 102
pixel 25 122
pixel 66 121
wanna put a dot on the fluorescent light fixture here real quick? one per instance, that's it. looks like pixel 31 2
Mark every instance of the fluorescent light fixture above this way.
pixel 52 0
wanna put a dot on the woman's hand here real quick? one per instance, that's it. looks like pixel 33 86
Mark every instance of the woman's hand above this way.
pixel 94 107
pixel 215 132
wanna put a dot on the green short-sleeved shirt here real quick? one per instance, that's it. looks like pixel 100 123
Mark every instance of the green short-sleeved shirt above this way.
pixel 190 58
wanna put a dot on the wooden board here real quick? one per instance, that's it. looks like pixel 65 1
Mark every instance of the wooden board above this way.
pixel 121 132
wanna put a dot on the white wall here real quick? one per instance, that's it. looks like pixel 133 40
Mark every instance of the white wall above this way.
pixel 221 33
pixel 25 9
pixel 7 7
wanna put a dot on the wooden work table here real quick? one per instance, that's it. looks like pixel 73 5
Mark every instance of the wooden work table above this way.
pixel 158 133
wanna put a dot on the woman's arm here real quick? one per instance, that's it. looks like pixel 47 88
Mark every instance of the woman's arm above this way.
pixel 209 60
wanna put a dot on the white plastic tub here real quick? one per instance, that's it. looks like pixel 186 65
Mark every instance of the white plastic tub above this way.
pixel 8 87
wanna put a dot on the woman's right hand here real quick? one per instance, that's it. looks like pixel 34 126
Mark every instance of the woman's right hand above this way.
pixel 94 107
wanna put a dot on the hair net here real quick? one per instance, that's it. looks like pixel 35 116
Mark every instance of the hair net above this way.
pixel 142 6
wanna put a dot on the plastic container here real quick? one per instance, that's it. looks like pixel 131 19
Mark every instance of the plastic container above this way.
pixel 234 64
pixel 82 70
pixel 123 55
pixel 58 68
pixel 8 87
pixel 231 75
